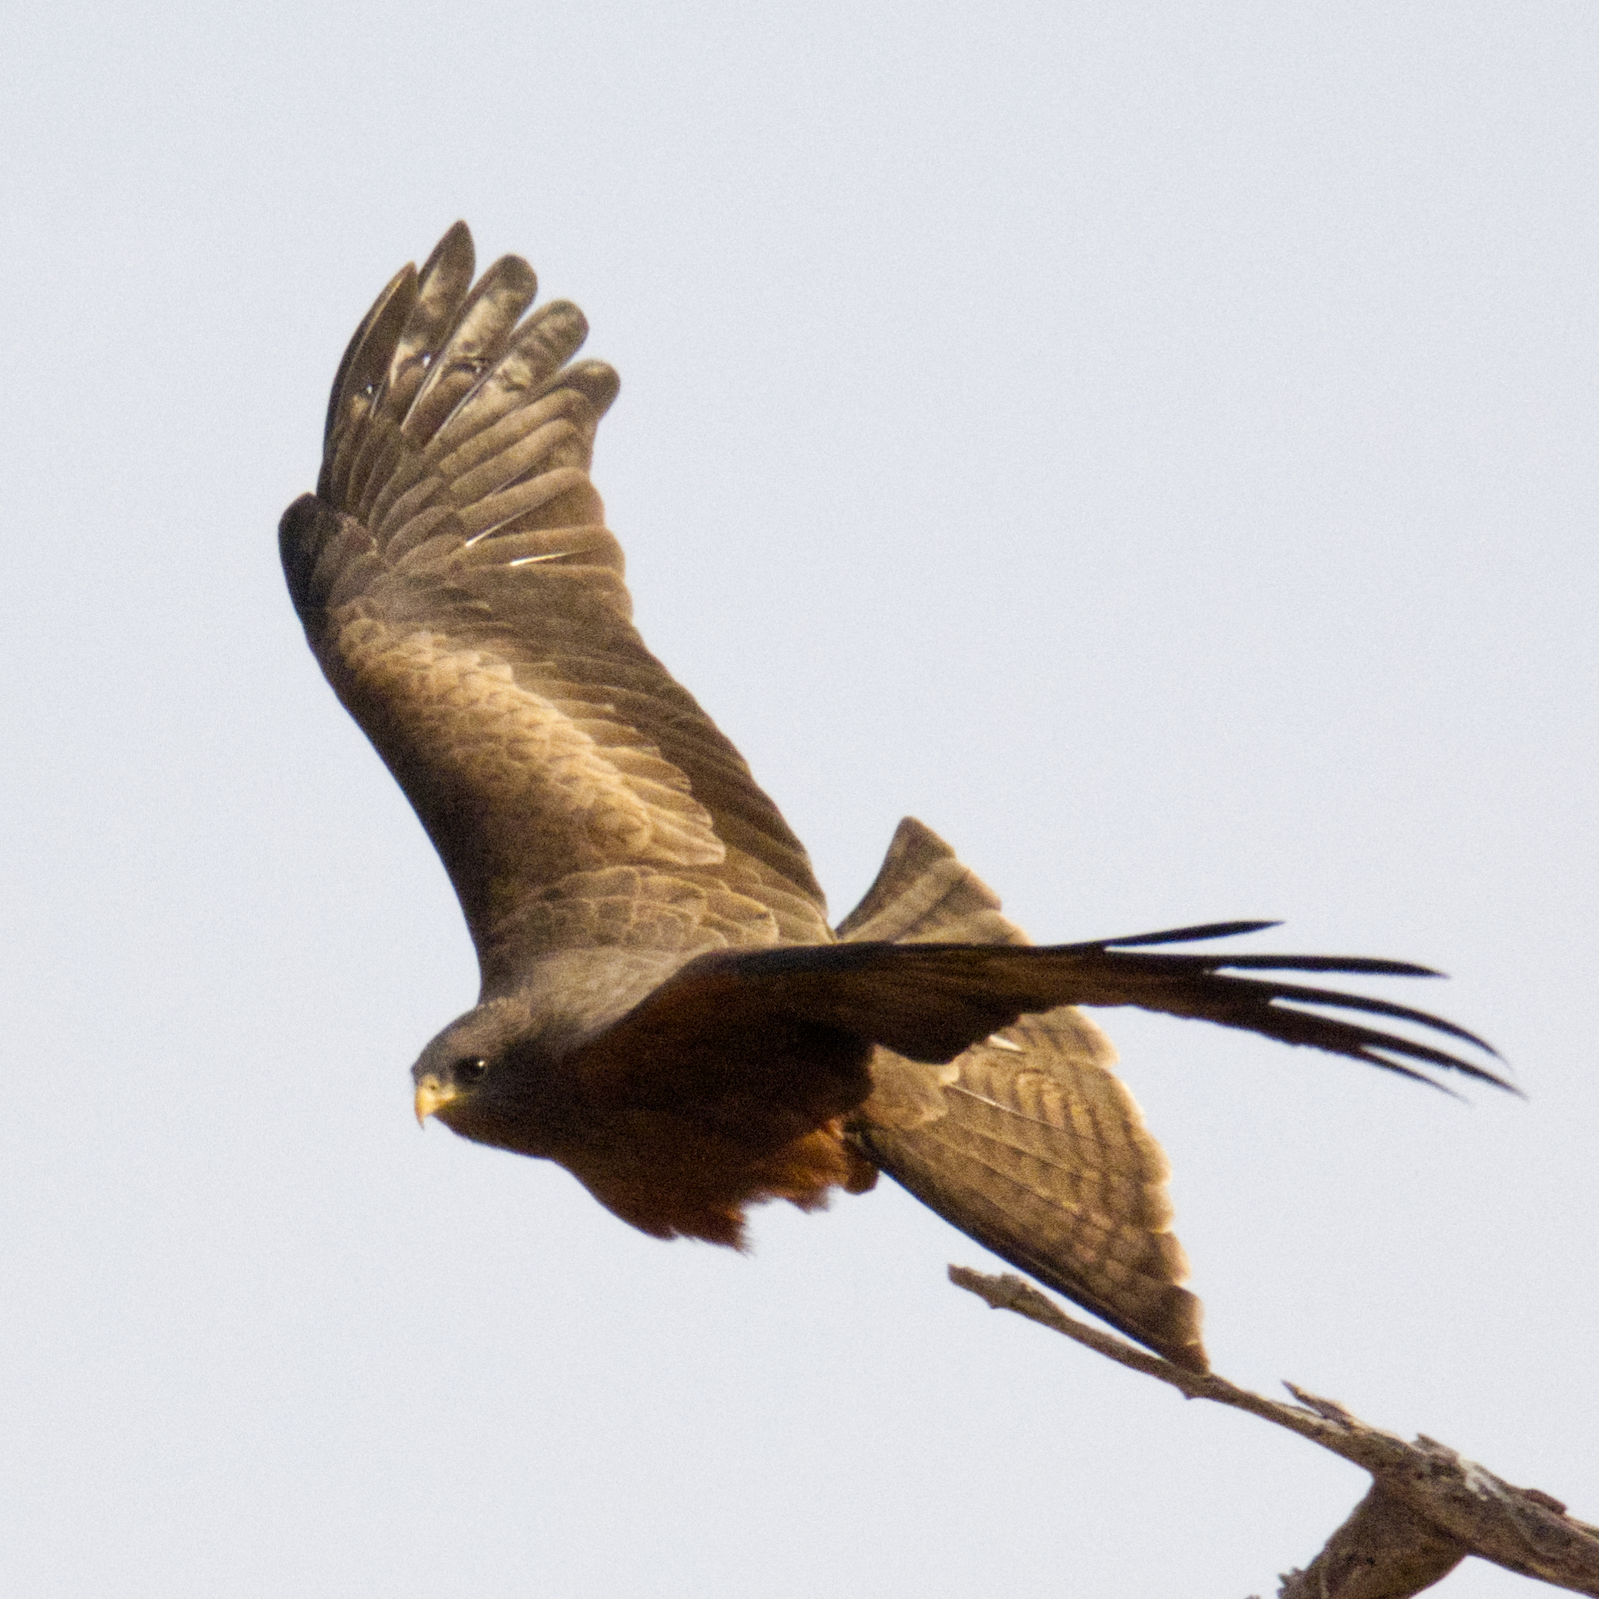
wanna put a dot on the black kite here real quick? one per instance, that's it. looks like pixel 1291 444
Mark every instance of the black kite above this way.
pixel 665 1010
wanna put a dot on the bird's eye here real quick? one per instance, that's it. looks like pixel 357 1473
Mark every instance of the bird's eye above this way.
pixel 469 1070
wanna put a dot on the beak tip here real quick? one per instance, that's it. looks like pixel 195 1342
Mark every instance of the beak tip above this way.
pixel 431 1097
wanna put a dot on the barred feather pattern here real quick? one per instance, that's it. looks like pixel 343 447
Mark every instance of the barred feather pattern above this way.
pixel 1029 1142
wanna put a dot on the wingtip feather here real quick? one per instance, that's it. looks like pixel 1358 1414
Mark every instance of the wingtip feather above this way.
pixel 366 356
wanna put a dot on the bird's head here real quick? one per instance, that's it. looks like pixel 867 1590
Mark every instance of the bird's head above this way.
pixel 502 1073
pixel 487 1076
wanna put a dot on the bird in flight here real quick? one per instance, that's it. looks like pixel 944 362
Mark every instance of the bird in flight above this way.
pixel 665 1010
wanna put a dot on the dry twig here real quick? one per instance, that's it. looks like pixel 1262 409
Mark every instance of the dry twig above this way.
pixel 1428 1507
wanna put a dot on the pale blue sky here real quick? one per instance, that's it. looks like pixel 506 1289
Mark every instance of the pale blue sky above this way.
pixel 1154 445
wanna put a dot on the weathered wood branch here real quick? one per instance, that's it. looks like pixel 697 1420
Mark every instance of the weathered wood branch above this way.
pixel 1428 1507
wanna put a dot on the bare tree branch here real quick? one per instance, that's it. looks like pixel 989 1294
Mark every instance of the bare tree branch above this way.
pixel 1428 1507
pixel 1383 1551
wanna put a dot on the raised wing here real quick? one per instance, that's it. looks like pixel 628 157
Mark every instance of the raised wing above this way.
pixel 464 598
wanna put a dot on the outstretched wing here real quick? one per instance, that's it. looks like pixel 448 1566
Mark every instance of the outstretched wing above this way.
pixel 1043 1156
pixel 1028 1142
pixel 466 601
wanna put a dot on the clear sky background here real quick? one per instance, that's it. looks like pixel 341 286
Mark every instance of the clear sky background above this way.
pixel 1153 444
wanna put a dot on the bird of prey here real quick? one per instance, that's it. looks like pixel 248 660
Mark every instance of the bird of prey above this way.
pixel 665 1010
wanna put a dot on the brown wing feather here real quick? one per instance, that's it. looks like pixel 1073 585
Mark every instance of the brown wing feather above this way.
pixel 1035 1147
pixel 466 601
pixel 1045 1159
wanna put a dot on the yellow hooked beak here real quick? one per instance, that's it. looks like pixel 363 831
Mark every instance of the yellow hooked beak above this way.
pixel 431 1096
